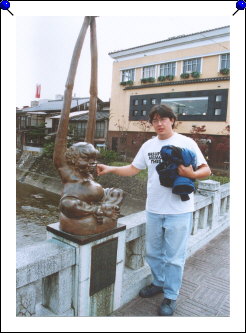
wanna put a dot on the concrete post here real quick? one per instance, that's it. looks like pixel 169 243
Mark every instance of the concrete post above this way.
pixel 223 206
pixel 99 270
pixel 57 291
pixel 211 187
pixel 203 217
pixel 135 251
pixel 195 222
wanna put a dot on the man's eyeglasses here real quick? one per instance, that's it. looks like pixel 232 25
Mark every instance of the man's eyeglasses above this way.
pixel 161 120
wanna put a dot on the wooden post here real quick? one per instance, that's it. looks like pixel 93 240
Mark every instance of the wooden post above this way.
pixel 61 137
pixel 90 131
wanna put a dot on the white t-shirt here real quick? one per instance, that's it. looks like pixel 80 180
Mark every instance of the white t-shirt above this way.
pixel 160 199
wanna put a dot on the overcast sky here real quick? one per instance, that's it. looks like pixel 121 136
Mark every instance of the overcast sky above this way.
pixel 45 45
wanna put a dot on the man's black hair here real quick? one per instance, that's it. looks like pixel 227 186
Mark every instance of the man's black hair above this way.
pixel 163 111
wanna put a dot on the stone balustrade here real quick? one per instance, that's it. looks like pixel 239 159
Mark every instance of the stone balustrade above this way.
pixel 52 262
pixel 55 263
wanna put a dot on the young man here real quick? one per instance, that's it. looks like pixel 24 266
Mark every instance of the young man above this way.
pixel 169 219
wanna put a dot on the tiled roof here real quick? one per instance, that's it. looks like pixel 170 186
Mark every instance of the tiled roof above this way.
pixel 20 112
pixel 71 114
pixel 168 39
pixel 57 105
pixel 100 115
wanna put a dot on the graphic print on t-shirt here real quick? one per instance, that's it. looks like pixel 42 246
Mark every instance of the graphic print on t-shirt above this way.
pixel 155 157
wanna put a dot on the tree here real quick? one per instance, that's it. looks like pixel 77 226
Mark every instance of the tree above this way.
pixel 122 125
pixel 140 137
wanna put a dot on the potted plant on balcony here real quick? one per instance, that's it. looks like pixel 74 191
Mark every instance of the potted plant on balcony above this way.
pixel 147 79
pixel 161 78
pixel 225 71
pixel 195 74
pixel 185 75
pixel 151 79
pixel 170 77
pixel 124 83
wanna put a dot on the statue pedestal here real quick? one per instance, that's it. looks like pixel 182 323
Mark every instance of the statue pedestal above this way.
pixel 98 271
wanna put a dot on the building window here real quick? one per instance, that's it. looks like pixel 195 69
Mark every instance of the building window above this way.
pixel 153 101
pixel 123 140
pixel 135 102
pixel 79 128
pixel 148 72
pixel 17 122
pixel 83 126
pixel 187 106
pixel 201 105
pixel 168 69
pixel 22 122
pixel 217 112
pixel 192 65
pixel 29 118
pixel 128 75
pixel 37 120
pixel 225 61
pixel 144 101
pixel 100 129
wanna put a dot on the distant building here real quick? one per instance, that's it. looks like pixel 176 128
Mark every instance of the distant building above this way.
pixel 47 113
pixel 190 73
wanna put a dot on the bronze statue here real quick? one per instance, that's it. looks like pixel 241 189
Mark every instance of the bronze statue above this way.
pixel 85 207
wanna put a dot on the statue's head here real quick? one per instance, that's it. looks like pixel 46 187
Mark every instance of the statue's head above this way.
pixel 82 156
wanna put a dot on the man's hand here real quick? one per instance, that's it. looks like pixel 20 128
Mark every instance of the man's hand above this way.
pixel 126 170
pixel 103 169
pixel 186 171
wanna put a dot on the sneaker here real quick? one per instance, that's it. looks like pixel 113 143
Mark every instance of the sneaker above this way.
pixel 167 307
pixel 150 291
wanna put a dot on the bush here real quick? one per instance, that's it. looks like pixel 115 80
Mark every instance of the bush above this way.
pixel 221 179
pixel 108 156
pixel 48 149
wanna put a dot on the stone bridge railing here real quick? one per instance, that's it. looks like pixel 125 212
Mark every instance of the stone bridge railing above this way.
pixel 55 268
pixel 52 262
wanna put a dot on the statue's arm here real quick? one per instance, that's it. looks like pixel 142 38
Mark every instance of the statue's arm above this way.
pixel 73 207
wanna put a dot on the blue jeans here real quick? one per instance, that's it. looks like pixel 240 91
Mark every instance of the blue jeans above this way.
pixel 166 243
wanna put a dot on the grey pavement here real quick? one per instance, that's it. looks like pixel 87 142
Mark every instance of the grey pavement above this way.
pixel 205 290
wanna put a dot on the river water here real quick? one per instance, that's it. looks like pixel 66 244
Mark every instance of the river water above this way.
pixel 36 208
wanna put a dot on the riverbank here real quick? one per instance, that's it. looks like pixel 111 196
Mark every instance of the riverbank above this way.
pixel 40 172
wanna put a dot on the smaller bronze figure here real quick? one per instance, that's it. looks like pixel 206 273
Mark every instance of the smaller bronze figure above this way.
pixel 85 207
